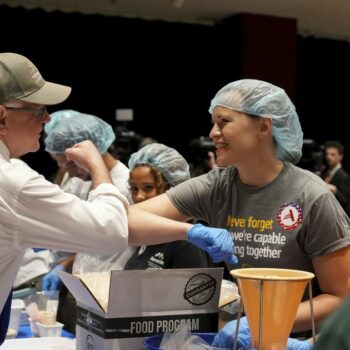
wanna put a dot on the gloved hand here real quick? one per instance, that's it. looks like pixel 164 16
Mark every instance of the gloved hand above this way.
pixel 295 344
pixel 216 241
pixel 37 250
pixel 51 280
pixel 224 339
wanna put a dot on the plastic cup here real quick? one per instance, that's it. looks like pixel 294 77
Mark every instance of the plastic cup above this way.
pixel 45 330
pixel 42 307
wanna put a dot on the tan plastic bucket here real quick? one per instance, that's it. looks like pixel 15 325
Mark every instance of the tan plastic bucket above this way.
pixel 282 293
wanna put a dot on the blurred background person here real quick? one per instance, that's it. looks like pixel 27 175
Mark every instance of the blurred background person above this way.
pixel 335 176
pixel 69 126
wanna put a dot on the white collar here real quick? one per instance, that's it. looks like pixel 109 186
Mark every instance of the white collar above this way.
pixel 334 170
pixel 4 152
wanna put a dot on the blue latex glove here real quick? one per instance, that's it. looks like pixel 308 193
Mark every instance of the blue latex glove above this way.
pixel 36 250
pixel 51 280
pixel 295 344
pixel 216 241
pixel 224 339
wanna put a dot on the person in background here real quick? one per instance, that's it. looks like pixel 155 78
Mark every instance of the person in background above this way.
pixel 279 215
pixel 154 169
pixel 67 128
pixel 35 264
pixel 335 176
pixel 36 213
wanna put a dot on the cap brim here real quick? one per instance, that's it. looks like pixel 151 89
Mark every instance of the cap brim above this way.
pixel 48 94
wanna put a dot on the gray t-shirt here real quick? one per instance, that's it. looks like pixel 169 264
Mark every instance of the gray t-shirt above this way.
pixel 281 225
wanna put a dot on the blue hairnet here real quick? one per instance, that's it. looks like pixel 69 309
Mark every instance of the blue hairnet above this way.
pixel 71 127
pixel 263 99
pixel 169 162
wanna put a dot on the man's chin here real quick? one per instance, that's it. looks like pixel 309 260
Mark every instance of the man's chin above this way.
pixel 34 149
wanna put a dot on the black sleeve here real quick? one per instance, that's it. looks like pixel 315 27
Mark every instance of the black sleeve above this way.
pixel 342 181
pixel 183 254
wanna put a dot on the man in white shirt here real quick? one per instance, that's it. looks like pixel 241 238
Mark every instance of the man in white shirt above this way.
pixel 34 212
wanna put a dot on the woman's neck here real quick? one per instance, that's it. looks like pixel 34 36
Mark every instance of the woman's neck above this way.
pixel 260 173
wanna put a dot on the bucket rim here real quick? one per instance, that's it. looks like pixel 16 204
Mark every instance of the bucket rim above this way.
pixel 291 275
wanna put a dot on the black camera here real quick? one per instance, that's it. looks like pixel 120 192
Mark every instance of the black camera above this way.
pixel 202 145
pixel 312 158
pixel 126 143
pixel 198 156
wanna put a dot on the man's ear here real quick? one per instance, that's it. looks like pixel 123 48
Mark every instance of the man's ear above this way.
pixel 3 120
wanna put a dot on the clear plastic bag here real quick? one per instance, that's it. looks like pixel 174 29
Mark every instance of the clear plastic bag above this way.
pixel 229 297
pixel 95 271
pixel 98 283
pixel 182 339
pixel 85 263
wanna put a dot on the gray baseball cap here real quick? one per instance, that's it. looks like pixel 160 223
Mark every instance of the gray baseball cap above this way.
pixel 21 80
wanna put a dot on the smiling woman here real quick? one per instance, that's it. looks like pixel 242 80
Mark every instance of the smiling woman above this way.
pixel 279 215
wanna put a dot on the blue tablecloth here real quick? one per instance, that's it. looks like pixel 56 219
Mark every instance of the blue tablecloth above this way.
pixel 25 332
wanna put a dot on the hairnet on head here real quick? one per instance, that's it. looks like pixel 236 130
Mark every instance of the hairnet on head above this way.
pixel 169 162
pixel 263 99
pixel 57 117
pixel 72 127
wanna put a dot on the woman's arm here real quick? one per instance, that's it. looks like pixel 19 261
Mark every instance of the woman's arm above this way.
pixel 332 272
pixel 156 221
pixel 162 206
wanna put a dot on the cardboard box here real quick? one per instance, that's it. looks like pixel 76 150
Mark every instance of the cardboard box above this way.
pixel 143 303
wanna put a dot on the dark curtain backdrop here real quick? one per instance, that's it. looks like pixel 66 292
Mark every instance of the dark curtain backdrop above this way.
pixel 166 72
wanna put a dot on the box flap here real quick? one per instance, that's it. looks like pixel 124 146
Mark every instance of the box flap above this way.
pixel 171 291
pixel 80 291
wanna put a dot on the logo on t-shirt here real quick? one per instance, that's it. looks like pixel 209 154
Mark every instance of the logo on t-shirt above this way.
pixel 290 216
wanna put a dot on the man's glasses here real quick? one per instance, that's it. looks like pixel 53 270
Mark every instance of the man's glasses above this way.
pixel 37 112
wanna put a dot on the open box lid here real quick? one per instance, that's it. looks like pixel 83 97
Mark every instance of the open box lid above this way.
pixel 136 292
pixel 80 290
pixel 167 290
